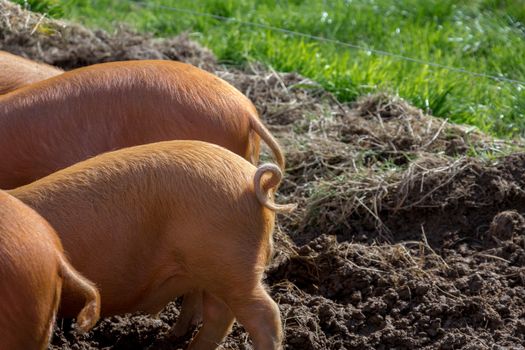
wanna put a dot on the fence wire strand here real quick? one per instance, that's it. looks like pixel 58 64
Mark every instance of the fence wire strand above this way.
pixel 332 41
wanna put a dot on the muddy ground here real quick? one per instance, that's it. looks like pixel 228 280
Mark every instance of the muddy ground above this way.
pixel 410 231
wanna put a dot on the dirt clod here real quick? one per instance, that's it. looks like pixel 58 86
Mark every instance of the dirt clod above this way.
pixel 507 224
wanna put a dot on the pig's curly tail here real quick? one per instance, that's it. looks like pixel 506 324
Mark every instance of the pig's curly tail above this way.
pixel 264 188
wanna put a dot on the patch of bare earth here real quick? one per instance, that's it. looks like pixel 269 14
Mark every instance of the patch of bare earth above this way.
pixel 410 231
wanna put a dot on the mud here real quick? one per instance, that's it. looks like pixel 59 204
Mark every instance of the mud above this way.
pixel 410 231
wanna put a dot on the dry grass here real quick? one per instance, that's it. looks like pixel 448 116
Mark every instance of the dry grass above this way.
pixel 70 45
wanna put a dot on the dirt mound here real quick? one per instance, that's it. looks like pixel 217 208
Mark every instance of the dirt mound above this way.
pixel 453 199
pixel 69 45
pixel 343 295
pixel 409 233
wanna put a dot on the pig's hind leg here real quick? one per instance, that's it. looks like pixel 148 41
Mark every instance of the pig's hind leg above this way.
pixel 190 313
pixel 216 323
pixel 259 315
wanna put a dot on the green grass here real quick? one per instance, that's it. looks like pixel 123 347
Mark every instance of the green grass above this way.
pixel 484 36
pixel 52 8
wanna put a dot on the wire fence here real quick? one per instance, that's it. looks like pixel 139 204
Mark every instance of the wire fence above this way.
pixel 333 41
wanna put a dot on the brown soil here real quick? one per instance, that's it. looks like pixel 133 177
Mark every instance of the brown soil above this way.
pixel 409 233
